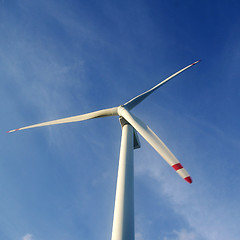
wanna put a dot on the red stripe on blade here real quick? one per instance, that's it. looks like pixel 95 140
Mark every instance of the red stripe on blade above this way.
pixel 177 166
pixel 188 179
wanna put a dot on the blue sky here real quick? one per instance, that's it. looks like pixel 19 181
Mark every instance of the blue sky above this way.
pixel 64 58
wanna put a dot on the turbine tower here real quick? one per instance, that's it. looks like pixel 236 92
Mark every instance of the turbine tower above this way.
pixel 123 219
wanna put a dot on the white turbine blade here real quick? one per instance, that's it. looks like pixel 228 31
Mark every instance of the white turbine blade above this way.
pixel 97 114
pixel 155 142
pixel 135 101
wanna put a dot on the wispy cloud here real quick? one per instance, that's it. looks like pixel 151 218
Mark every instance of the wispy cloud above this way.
pixel 183 234
pixel 138 236
pixel 28 236
pixel 207 216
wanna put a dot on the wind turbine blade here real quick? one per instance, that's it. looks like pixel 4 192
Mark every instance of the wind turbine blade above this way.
pixel 78 118
pixel 135 101
pixel 155 142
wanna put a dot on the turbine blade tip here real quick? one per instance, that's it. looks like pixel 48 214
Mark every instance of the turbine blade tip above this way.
pixel 188 179
pixel 196 62
pixel 13 130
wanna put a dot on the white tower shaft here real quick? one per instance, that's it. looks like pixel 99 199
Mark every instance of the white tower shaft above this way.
pixel 123 219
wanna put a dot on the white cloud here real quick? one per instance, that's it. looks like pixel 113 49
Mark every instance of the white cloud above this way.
pixel 28 236
pixel 138 236
pixel 183 234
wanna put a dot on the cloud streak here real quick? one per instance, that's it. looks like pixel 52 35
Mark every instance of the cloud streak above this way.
pixel 28 236
pixel 183 234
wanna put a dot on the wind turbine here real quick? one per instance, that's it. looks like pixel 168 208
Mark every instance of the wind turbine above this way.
pixel 123 219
